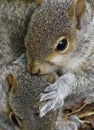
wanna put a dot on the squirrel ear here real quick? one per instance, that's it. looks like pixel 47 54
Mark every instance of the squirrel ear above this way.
pixel 76 11
pixel 12 83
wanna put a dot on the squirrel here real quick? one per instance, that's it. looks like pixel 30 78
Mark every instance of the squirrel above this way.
pixel 60 38
pixel 14 19
pixel 19 99
pixel 20 93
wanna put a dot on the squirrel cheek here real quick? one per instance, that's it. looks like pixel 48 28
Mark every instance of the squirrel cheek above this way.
pixel 56 59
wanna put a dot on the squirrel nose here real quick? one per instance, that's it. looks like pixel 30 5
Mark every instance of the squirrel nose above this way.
pixel 34 68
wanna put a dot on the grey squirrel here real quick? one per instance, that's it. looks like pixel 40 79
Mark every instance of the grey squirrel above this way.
pixel 20 93
pixel 19 100
pixel 60 38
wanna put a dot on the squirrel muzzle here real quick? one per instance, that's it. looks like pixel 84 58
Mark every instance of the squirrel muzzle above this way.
pixel 39 68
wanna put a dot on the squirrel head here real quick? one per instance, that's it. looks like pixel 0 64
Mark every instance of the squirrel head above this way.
pixel 24 102
pixel 52 34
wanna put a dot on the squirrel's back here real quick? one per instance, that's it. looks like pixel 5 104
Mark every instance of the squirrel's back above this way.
pixel 14 19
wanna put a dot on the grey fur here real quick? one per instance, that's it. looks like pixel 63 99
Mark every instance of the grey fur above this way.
pixel 77 66
pixel 14 19
pixel 25 103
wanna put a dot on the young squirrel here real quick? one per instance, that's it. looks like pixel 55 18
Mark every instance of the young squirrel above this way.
pixel 14 19
pixel 60 39
pixel 19 102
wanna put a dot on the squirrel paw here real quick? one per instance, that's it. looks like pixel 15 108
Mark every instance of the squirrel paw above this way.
pixel 54 97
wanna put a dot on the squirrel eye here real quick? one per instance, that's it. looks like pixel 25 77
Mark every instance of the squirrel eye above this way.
pixel 15 120
pixel 62 45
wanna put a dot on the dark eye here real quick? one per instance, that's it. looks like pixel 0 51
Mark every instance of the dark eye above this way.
pixel 62 45
pixel 15 120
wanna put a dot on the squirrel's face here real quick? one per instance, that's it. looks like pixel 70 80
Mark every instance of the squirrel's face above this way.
pixel 51 38
pixel 24 102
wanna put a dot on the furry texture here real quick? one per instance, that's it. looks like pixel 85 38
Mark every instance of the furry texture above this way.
pixel 76 64
pixel 14 19
pixel 24 104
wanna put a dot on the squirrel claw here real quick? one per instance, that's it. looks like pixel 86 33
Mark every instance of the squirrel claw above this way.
pixel 48 96
pixel 51 88
pixel 51 105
